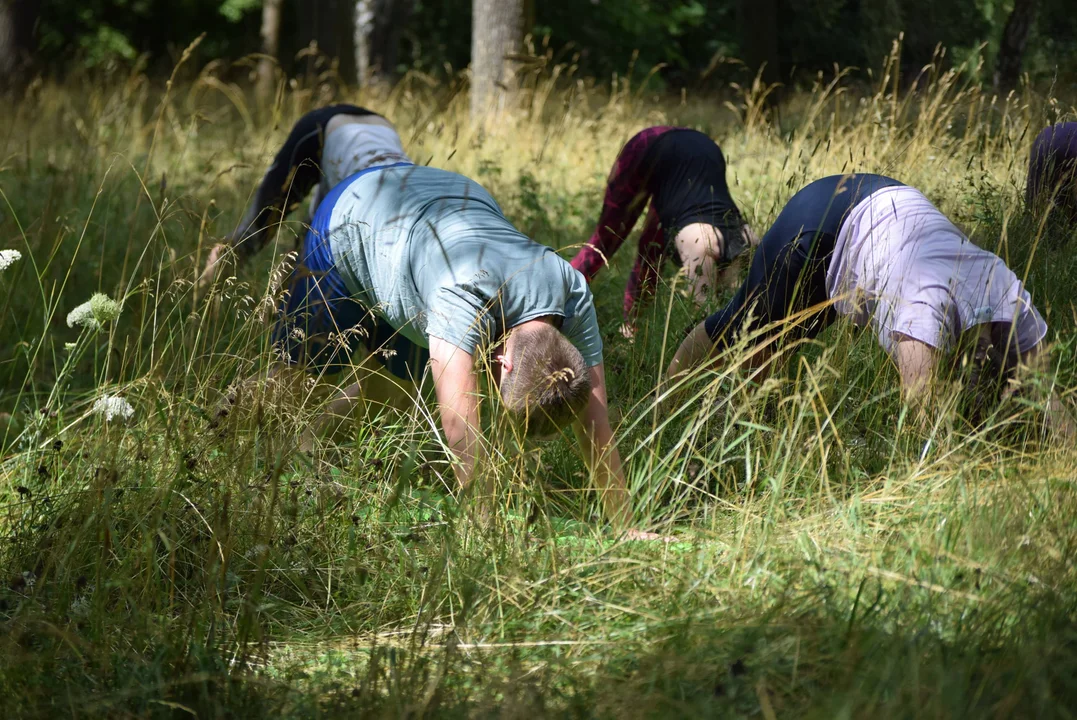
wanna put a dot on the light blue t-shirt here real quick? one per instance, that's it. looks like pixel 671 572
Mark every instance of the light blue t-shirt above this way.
pixel 431 252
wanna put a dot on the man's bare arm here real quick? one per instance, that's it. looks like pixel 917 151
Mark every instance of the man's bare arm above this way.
pixel 916 362
pixel 599 451
pixel 457 390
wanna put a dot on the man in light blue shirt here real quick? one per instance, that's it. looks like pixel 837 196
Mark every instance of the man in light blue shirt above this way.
pixel 415 259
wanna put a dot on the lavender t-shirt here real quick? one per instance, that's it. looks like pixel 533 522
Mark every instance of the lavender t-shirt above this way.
pixel 901 265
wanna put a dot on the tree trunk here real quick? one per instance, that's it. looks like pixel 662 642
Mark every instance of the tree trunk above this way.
pixel 17 18
pixel 758 21
pixel 1012 48
pixel 330 24
pixel 364 26
pixel 390 19
pixel 496 31
pixel 270 46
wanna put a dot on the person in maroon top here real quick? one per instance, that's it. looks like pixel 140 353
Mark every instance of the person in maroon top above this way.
pixel 692 220
pixel 1052 169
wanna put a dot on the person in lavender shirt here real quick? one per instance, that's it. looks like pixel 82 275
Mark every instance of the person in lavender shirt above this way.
pixel 1052 170
pixel 877 252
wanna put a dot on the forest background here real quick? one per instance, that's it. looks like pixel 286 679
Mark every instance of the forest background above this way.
pixel 694 41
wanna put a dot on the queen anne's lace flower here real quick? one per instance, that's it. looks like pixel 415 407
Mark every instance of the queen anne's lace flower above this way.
pixel 82 316
pixel 9 258
pixel 113 406
pixel 95 312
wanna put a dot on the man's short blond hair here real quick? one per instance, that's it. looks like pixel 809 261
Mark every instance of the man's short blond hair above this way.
pixel 548 385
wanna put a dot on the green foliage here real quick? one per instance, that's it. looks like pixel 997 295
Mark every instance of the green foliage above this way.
pixel 107 33
pixel 608 35
pixel 234 10
pixel 105 47
pixel 603 37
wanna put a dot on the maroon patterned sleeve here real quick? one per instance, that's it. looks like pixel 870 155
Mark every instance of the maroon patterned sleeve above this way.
pixel 644 278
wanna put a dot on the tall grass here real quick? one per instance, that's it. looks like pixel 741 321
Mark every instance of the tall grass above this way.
pixel 833 558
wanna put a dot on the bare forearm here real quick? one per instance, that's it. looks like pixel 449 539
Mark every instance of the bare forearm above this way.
pixel 599 451
pixel 695 349
pixel 1058 415
pixel 457 391
pixel 465 446
pixel 916 362
pixel 609 480
pixel 607 475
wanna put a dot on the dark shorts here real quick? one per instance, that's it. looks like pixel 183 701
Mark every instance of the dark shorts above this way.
pixel 320 324
pixel 787 274
pixel 785 277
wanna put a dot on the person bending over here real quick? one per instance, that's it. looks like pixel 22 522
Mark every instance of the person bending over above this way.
pixel 692 217
pixel 324 147
pixel 1052 170
pixel 424 257
pixel 871 249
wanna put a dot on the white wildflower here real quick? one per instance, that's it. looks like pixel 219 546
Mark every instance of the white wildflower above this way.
pixel 82 316
pixel 113 406
pixel 95 312
pixel 69 347
pixel 9 258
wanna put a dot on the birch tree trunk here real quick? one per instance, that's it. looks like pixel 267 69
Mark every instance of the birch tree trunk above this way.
pixel 270 45
pixel 364 26
pixel 496 31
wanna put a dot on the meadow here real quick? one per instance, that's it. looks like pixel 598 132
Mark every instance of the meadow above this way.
pixel 832 557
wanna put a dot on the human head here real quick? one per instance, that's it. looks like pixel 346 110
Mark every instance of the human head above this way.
pixel 544 381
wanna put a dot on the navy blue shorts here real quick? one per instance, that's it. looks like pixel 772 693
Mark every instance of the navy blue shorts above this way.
pixel 320 325
pixel 788 269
